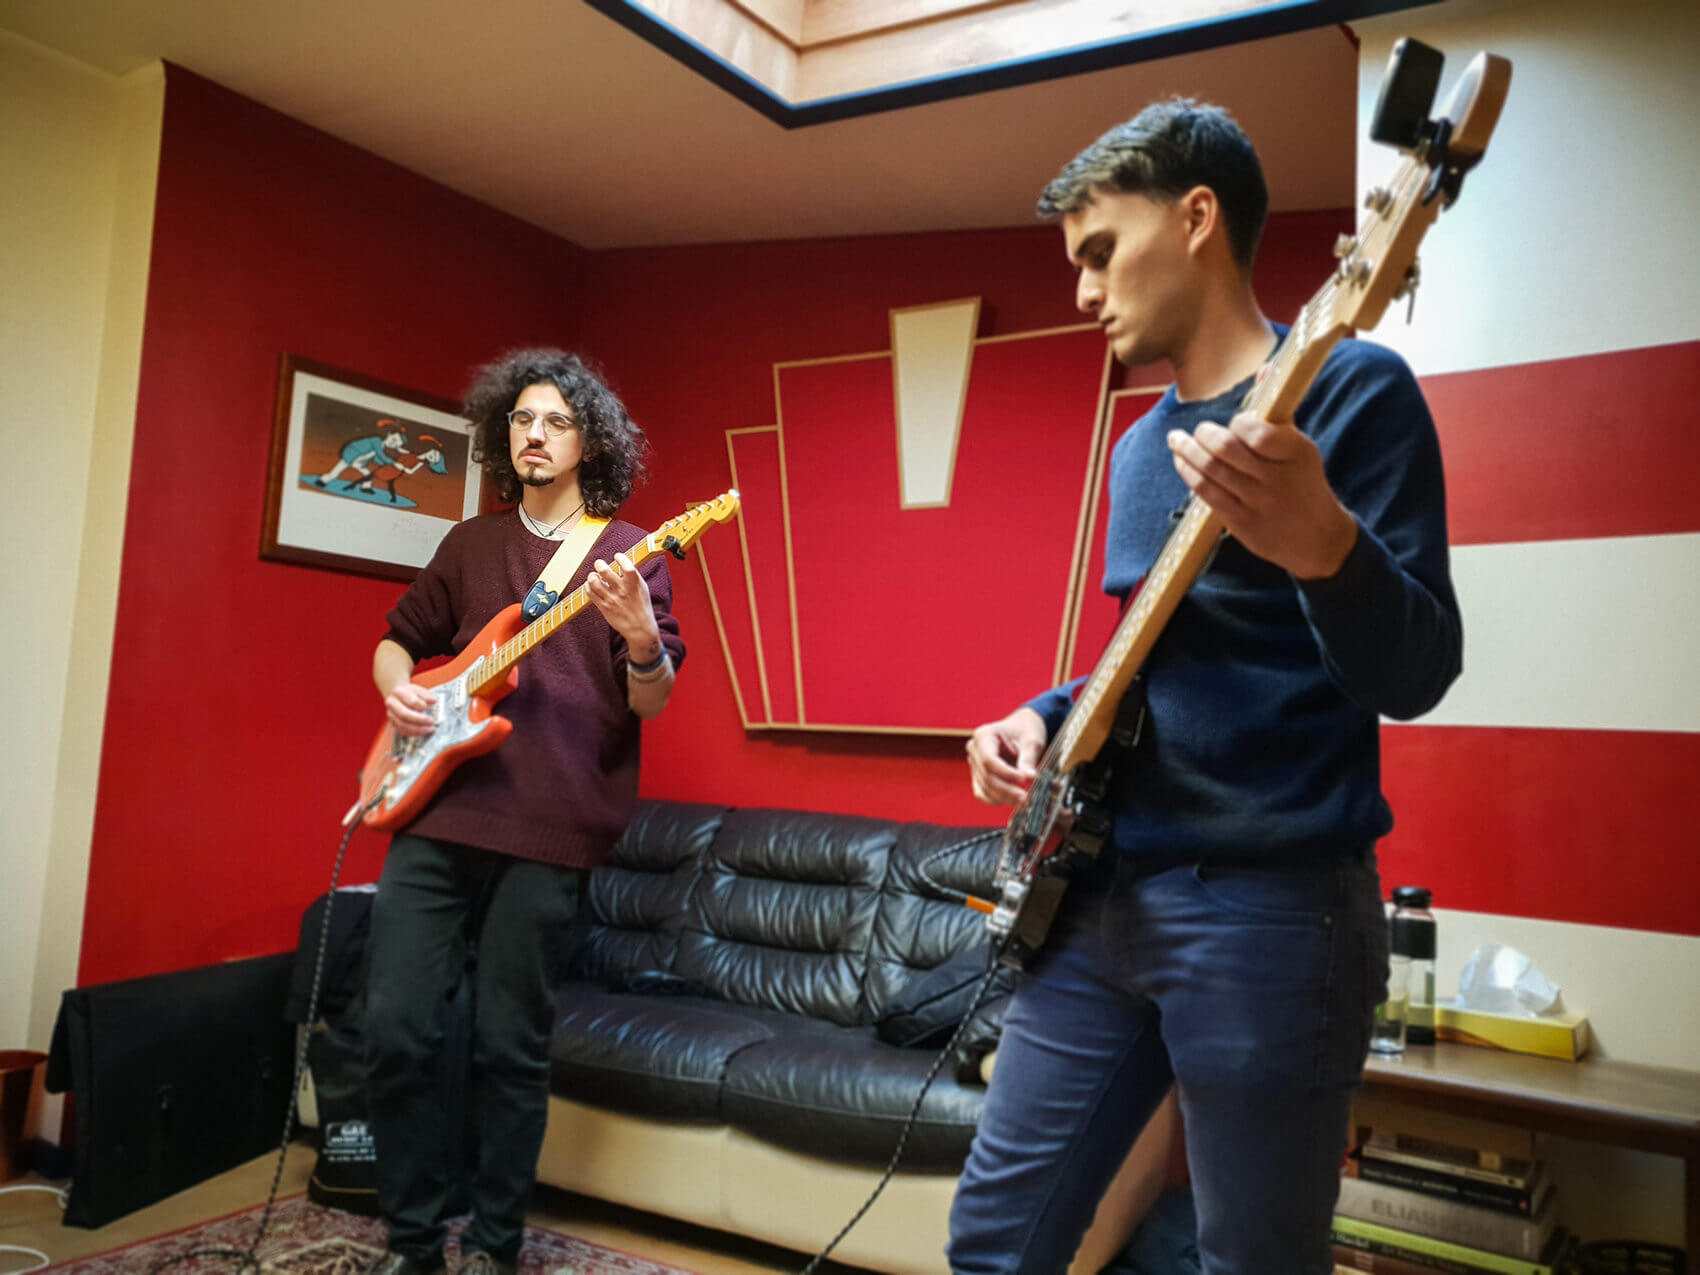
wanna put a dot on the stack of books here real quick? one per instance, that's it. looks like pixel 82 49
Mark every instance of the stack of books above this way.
pixel 1425 1192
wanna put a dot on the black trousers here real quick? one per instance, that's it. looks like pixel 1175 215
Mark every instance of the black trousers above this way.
pixel 437 904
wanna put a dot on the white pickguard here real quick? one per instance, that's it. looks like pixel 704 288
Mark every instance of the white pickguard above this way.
pixel 455 726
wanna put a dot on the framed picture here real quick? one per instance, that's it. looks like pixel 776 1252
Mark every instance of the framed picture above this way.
pixel 364 476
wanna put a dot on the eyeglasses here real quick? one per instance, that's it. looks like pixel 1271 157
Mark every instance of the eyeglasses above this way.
pixel 554 424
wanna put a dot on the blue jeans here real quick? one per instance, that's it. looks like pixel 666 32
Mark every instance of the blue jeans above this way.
pixel 437 902
pixel 1166 1242
pixel 1250 988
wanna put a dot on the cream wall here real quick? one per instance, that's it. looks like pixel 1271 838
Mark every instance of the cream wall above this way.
pixel 1579 223
pixel 79 149
pixel 1575 237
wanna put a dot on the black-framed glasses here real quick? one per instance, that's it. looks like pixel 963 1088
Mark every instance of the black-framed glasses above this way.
pixel 554 424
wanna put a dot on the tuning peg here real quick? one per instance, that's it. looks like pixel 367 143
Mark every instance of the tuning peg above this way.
pixel 672 546
pixel 1408 284
pixel 1354 270
pixel 1407 289
pixel 1345 246
pixel 1378 199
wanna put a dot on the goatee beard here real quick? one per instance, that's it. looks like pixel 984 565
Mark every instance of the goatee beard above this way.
pixel 534 479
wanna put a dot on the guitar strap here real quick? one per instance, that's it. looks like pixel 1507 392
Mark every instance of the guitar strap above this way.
pixel 559 569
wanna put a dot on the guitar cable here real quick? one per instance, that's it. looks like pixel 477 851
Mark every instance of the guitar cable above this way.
pixel 247 1259
pixel 994 953
pixel 42 1260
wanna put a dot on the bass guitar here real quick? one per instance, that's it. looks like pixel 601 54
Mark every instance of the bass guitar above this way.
pixel 403 772
pixel 1061 825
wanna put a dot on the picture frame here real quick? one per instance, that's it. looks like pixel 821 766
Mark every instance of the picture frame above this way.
pixel 364 476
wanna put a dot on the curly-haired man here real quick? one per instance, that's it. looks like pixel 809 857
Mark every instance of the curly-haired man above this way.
pixel 494 865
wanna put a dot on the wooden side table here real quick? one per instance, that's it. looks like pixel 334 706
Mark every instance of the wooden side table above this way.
pixel 1654 1109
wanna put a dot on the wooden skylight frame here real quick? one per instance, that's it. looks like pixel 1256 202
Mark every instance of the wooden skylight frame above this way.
pixel 810 61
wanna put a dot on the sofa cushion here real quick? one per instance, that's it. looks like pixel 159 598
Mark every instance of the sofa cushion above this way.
pixel 636 902
pixel 784 913
pixel 846 1096
pixel 920 926
pixel 661 1056
pixel 925 1013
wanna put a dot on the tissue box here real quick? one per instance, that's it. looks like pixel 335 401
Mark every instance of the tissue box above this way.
pixel 1563 1035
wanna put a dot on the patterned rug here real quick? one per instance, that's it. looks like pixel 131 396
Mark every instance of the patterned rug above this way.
pixel 304 1238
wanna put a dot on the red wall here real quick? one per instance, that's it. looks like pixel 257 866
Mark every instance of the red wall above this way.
pixel 241 701
pixel 690 334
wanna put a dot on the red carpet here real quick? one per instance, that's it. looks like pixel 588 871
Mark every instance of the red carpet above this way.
pixel 304 1239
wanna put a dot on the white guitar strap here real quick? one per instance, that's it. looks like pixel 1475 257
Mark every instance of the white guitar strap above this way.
pixel 559 569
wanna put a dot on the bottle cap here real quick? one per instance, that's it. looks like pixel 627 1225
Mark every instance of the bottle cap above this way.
pixel 1412 896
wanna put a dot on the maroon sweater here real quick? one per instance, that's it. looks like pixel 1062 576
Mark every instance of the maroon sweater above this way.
pixel 562 787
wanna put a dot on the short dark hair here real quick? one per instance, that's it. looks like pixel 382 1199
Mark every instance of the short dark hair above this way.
pixel 614 446
pixel 1163 152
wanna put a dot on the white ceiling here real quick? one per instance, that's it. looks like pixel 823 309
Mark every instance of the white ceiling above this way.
pixel 560 116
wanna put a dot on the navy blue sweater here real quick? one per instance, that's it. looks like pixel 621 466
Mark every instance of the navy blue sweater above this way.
pixel 1264 691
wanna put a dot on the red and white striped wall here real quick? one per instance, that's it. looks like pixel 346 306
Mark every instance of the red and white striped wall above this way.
pixel 1548 801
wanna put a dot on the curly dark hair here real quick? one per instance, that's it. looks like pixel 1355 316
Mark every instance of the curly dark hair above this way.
pixel 614 446
pixel 1163 152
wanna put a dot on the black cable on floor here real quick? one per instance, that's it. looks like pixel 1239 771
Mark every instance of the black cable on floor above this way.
pixel 994 953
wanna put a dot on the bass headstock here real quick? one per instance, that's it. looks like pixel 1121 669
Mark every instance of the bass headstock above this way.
pixel 1379 264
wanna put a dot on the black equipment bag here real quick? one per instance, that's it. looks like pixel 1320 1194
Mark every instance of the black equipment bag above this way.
pixel 173 1078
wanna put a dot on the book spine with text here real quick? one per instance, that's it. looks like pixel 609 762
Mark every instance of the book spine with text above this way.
pixel 1377 1262
pixel 1445 1219
pixel 1444 1185
pixel 1484 1143
pixel 1518 1173
pixel 1440 1255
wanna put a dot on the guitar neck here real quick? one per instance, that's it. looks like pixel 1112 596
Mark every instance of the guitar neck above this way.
pixel 1292 368
pixel 496 666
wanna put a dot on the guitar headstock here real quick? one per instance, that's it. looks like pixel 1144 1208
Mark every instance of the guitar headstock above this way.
pixel 1379 263
pixel 677 533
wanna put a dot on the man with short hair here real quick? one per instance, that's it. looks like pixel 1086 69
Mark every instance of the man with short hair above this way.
pixel 1230 939
pixel 494 865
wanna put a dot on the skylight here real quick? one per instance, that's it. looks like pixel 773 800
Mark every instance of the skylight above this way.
pixel 808 61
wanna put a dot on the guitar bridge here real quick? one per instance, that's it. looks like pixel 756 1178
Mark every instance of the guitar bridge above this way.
pixel 1024 915
pixel 1028 906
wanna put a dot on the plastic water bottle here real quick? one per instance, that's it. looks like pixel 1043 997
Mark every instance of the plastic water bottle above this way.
pixel 1387 1033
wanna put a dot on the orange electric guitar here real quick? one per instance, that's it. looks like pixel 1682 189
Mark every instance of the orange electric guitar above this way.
pixel 402 773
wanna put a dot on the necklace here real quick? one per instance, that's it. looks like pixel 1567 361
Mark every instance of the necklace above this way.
pixel 548 533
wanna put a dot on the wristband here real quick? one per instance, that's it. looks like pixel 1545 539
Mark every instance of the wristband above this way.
pixel 648 672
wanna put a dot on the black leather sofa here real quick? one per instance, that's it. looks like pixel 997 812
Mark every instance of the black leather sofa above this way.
pixel 717 1054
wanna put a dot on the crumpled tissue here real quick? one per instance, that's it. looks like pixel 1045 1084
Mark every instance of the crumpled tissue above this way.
pixel 1501 980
